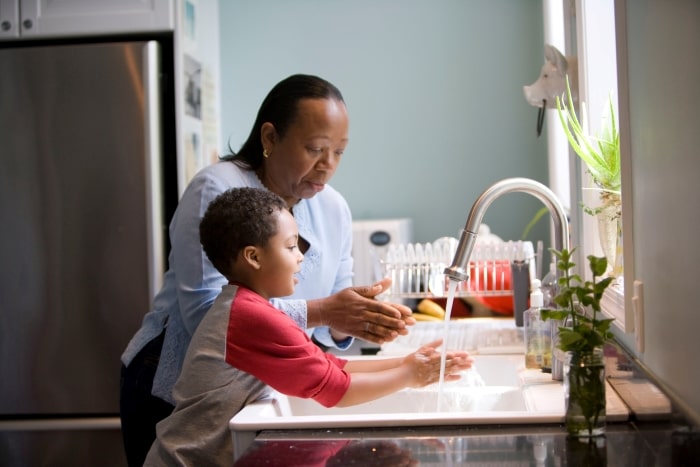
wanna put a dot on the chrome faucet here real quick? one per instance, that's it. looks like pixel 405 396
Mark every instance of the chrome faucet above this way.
pixel 460 264
pixel 459 270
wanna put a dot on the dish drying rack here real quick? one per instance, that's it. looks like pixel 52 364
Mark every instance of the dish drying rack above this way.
pixel 495 269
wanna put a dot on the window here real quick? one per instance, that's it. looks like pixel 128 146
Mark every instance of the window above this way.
pixel 590 32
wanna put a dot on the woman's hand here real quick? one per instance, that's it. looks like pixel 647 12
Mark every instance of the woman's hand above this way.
pixel 355 312
pixel 424 364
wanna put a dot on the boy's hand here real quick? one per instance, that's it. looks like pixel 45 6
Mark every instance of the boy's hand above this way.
pixel 425 364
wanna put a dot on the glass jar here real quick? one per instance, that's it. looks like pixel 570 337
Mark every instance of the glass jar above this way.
pixel 584 393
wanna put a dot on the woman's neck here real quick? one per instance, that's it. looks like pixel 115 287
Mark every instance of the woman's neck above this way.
pixel 291 202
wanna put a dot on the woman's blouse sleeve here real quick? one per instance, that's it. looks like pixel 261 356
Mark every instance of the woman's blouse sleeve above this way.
pixel 198 281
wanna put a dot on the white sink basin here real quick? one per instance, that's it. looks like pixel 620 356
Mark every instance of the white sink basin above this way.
pixel 499 390
pixel 492 385
pixel 412 401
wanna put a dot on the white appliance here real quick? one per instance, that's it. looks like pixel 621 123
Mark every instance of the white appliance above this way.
pixel 370 243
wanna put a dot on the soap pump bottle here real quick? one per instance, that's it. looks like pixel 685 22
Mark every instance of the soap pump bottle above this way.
pixel 538 339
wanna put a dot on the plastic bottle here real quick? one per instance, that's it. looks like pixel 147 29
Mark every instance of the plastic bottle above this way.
pixel 538 340
pixel 550 288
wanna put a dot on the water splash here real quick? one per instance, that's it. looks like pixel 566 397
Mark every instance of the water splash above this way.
pixel 448 312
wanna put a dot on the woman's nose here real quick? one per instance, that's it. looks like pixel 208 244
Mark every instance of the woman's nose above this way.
pixel 329 161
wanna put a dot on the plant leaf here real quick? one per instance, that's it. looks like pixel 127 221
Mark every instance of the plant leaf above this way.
pixel 554 314
pixel 568 337
pixel 598 265
pixel 580 301
pixel 600 153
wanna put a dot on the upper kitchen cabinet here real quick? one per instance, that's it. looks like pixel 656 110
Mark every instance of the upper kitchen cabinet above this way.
pixel 45 19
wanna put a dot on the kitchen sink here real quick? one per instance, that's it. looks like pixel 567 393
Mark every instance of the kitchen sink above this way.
pixel 497 390
pixel 411 401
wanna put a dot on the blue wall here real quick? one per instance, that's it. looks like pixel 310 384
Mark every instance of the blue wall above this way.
pixel 434 92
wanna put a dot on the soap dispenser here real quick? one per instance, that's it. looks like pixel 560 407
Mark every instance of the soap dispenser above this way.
pixel 538 338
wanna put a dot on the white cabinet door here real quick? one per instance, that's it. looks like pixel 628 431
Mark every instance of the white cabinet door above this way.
pixel 60 18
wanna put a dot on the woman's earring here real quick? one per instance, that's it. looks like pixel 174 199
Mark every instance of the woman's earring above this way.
pixel 265 154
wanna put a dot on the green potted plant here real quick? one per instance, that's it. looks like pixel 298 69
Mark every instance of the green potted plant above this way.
pixel 601 155
pixel 582 336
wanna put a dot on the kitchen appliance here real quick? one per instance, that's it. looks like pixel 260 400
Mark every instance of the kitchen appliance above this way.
pixel 87 186
pixel 371 240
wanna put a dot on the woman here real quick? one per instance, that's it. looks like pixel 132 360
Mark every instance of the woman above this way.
pixel 293 150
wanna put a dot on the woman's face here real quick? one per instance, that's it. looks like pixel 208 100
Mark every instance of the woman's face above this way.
pixel 300 163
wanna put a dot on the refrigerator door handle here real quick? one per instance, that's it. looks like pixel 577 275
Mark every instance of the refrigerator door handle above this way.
pixel 62 424
pixel 154 163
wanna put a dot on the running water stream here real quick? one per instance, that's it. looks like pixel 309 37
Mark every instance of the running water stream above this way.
pixel 448 312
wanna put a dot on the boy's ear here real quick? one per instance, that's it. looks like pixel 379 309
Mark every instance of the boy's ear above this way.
pixel 251 255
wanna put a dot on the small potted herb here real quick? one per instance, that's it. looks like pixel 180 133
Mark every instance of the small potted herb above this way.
pixel 582 337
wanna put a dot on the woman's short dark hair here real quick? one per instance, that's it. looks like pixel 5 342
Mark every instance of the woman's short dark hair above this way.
pixel 238 218
pixel 280 108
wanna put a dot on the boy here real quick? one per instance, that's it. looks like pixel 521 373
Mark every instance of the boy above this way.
pixel 244 345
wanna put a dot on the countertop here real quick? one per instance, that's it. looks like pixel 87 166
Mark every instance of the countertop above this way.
pixel 624 444
pixel 654 434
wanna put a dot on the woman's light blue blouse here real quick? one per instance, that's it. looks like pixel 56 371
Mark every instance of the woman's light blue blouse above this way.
pixel 192 283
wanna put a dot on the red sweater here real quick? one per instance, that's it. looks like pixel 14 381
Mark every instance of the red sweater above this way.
pixel 266 343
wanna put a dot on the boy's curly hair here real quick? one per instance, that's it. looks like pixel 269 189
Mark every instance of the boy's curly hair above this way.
pixel 235 219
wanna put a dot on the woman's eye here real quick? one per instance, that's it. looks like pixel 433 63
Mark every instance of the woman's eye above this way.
pixel 316 150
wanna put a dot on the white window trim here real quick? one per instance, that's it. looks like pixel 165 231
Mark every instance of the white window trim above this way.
pixel 599 45
pixel 612 305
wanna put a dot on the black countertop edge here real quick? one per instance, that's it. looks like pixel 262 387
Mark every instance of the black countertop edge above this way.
pixel 656 444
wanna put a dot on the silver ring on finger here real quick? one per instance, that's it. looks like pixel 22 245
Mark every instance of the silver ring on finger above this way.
pixel 367 327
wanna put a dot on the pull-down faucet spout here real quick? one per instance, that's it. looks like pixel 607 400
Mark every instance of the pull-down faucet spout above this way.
pixel 459 270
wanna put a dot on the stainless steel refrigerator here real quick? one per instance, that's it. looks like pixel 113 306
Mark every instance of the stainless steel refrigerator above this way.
pixel 87 185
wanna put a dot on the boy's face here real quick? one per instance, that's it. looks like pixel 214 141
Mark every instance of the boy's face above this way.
pixel 281 258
